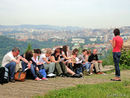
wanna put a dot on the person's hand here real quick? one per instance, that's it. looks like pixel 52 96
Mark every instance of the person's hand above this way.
pixel 20 57
pixel 110 41
pixel 29 65
pixel 99 61
pixel 37 69
pixel 94 61
pixel 39 63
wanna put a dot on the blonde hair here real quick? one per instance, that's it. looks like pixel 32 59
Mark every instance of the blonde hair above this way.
pixel 48 51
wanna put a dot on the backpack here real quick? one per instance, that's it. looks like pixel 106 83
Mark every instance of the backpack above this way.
pixel 4 75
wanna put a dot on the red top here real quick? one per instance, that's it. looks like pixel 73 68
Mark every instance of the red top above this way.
pixel 118 43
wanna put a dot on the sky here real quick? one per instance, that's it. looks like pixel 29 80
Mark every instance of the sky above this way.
pixel 82 13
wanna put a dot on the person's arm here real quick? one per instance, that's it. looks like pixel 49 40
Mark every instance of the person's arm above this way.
pixel 64 56
pixel 23 59
pixel 113 43
pixel 52 59
pixel 46 60
pixel 16 60
pixel 26 61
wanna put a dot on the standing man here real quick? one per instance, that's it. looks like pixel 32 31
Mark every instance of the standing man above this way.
pixel 117 44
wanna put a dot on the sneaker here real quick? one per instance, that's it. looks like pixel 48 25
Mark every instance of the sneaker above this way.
pixel 51 75
pixel 12 80
pixel 44 78
pixel 77 76
pixel 90 73
pixel 81 73
pixel 37 79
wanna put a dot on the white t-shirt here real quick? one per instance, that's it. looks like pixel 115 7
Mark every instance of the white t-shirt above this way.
pixel 41 58
pixel 8 58
pixel 78 60
pixel 36 61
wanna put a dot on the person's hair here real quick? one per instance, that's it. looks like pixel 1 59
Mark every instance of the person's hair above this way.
pixel 48 51
pixel 61 50
pixel 89 52
pixel 65 49
pixel 57 50
pixel 28 55
pixel 116 32
pixel 38 51
pixel 74 51
pixel 15 49
pixel 84 50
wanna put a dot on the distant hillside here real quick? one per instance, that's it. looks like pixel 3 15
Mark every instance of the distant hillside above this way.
pixel 6 44
pixel 45 27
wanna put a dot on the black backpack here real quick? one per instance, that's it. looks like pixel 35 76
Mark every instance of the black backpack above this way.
pixel 4 75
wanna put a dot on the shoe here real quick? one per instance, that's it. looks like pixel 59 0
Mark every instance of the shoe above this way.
pixel 38 79
pixel 67 75
pixel 61 75
pixel 77 76
pixel 81 73
pixel 44 78
pixel 101 72
pixel 90 73
pixel 12 80
pixel 115 79
pixel 98 73
pixel 51 75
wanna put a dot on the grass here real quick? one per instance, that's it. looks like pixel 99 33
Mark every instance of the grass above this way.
pixel 104 90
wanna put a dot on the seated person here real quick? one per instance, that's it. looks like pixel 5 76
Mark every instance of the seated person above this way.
pixel 61 68
pixel 38 66
pixel 48 65
pixel 9 61
pixel 84 58
pixel 76 62
pixel 93 58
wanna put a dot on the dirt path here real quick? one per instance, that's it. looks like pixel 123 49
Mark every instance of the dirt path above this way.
pixel 31 88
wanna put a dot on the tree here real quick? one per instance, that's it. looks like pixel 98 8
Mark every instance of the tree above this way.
pixel 29 47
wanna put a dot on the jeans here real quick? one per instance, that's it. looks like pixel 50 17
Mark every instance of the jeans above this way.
pixel 116 58
pixel 11 66
pixel 24 66
pixel 87 66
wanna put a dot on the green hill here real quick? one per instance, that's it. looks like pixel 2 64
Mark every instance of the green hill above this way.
pixel 6 45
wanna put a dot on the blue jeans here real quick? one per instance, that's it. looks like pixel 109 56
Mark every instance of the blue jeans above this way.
pixel 87 66
pixel 24 66
pixel 116 58
pixel 11 66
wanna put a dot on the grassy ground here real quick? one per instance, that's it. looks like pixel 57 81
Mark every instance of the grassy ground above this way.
pixel 104 90
pixel 31 88
pixel 99 90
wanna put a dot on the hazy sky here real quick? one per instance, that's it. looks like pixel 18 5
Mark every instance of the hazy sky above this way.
pixel 83 13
